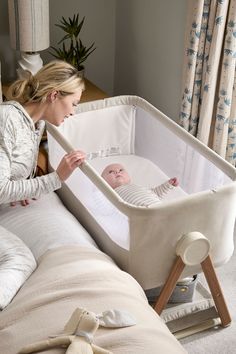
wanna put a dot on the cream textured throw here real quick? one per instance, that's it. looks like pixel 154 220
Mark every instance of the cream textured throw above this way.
pixel 72 276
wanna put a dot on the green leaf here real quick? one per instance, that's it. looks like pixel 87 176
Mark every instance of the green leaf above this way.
pixel 73 51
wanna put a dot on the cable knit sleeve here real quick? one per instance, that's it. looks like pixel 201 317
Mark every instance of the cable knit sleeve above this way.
pixel 18 149
pixel 11 191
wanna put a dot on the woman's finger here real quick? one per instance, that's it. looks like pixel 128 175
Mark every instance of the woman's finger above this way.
pixel 75 155
pixel 75 158
pixel 69 162
pixel 25 202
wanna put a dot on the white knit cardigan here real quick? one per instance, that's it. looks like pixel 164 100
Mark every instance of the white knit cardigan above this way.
pixel 19 145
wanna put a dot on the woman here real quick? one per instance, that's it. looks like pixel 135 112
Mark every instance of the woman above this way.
pixel 51 95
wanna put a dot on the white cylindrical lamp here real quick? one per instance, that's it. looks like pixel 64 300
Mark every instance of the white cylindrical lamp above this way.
pixel 29 31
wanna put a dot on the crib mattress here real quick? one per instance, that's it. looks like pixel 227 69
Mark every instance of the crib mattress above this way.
pixel 143 172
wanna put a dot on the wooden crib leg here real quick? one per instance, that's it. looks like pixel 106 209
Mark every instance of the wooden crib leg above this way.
pixel 216 291
pixel 169 285
pixel 213 283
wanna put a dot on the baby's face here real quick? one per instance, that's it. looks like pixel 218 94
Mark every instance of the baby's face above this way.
pixel 116 175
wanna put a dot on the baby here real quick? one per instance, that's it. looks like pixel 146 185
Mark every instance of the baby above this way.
pixel 118 178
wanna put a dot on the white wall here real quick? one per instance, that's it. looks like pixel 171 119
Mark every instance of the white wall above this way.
pixel 149 51
pixel 99 27
pixel 7 55
pixel 139 46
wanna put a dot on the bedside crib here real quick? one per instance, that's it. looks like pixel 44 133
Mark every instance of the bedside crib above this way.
pixel 142 241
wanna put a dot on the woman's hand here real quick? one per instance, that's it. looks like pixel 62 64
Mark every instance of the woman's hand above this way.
pixel 23 202
pixel 68 163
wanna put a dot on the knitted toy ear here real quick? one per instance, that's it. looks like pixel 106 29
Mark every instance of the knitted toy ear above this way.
pixel 116 318
pixel 73 322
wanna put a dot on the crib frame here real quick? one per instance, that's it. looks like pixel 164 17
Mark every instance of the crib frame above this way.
pixel 220 199
pixel 204 259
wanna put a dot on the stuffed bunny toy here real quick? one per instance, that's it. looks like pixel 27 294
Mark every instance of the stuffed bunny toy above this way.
pixel 79 332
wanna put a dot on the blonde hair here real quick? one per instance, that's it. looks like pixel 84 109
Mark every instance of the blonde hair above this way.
pixel 55 76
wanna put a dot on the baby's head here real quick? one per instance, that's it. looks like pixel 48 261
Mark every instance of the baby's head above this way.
pixel 115 175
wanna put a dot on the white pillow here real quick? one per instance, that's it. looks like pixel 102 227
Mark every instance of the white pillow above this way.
pixel 16 264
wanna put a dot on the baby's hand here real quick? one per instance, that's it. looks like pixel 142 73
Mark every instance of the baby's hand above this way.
pixel 174 181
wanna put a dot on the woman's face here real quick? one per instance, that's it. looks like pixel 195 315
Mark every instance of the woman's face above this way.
pixel 61 107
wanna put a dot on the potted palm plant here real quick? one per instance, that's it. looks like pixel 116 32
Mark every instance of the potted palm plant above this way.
pixel 73 51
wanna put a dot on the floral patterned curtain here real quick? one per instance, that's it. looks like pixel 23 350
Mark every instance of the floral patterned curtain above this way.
pixel 208 109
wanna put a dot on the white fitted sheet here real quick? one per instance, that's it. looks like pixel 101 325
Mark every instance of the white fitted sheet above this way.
pixel 141 170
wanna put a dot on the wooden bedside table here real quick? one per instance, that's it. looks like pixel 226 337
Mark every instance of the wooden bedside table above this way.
pixel 4 91
pixel 92 92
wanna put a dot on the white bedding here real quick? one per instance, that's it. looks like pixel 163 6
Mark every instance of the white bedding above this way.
pixel 75 275
pixel 37 225
pixel 17 263
pixel 141 170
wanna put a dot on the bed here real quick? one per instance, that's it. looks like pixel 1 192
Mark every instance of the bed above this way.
pixel 72 272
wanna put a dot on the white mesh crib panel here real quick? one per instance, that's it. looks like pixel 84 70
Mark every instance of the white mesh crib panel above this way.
pixel 92 208
pixel 112 130
pixel 174 155
pixel 142 241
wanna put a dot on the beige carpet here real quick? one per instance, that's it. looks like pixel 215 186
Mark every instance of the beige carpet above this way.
pixel 219 340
